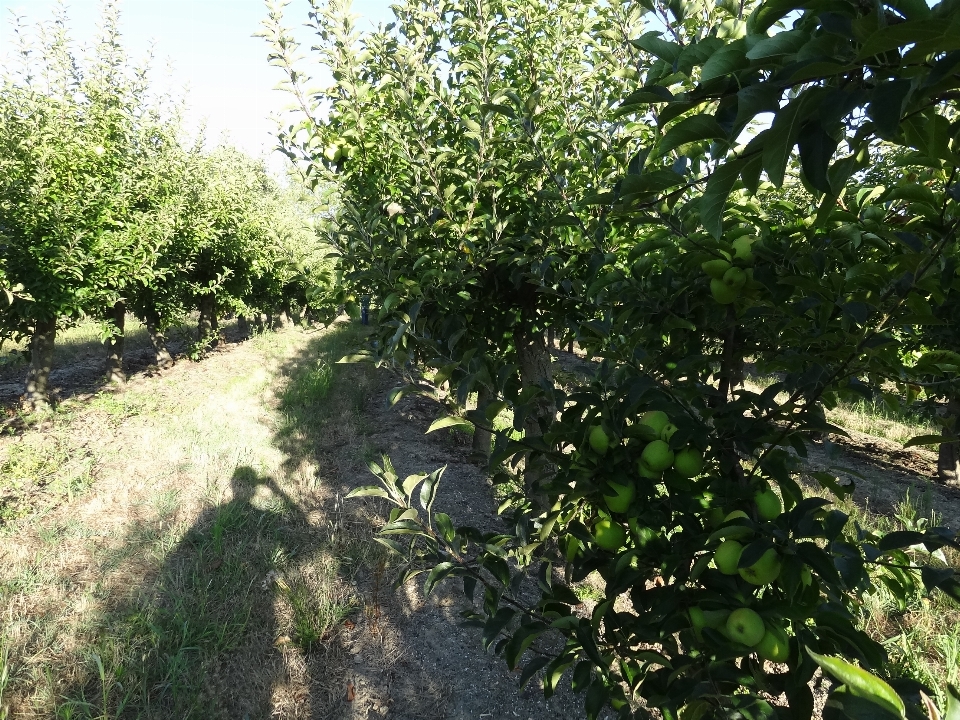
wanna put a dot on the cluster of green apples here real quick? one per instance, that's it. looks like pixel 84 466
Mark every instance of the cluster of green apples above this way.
pixel 730 272
pixel 337 150
pixel 656 457
pixel 744 625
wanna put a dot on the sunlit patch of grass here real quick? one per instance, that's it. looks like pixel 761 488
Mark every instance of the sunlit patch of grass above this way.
pixel 922 633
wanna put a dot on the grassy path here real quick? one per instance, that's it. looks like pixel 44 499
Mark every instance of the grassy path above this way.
pixel 186 544
pixel 181 549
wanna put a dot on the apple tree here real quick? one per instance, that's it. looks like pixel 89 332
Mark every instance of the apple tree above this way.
pixel 711 211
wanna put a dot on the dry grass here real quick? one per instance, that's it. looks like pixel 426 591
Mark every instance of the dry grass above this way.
pixel 173 552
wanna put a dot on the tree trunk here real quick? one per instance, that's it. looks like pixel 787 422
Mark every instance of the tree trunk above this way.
pixel 208 325
pixel 551 343
pixel 41 362
pixel 118 314
pixel 243 326
pixel 948 461
pixel 536 370
pixel 162 357
pixel 481 437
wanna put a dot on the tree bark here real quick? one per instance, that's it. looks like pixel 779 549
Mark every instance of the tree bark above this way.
pixel 208 325
pixel 118 314
pixel 536 370
pixel 36 396
pixel 948 460
pixel 243 326
pixel 481 437
pixel 551 343
pixel 162 357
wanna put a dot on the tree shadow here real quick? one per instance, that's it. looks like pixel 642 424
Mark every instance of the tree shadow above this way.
pixel 213 630
pixel 79 364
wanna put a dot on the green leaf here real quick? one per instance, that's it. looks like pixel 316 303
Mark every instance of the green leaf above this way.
pixel 428 491
pixel 783 43
pixel 887 101
pixel 437 574
pixel 935 32
pixel 654 44
pixel 779 140
pixel 368 491
pixel 691 129
pixel 532 668
pixel 448 421
pixel 816 148
pixel 715 195
pixel 728 59
pixel 952 711
pixel 928 440
pixel 861 683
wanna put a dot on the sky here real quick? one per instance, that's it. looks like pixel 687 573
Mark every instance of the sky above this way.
pixel 211 52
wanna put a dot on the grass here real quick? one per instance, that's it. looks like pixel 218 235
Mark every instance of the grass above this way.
pixel 922 633
pixel 171 553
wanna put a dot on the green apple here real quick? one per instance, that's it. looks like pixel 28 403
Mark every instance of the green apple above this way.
pixel 745 626
pixel 656 420
pixel 715 516
pixel 657 455
pixel 668 430
pixel 716 268
pixel 764 571
pixel 723 293
pixel 734 278
pixel 768 503
pixel 332 153
pixel 716 619
pixel 697 620
pixel 774 645
pixel 599 440
pixel 645 471
pixel 733 532
pixel 688 462
pixel 609 535
pixel 727 556
pixel 622 497
pixel 742 248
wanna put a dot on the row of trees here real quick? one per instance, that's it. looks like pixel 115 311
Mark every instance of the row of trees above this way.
pixel 107 207
pixel 681 187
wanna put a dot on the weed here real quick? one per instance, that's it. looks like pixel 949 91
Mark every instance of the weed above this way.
pixel 317 604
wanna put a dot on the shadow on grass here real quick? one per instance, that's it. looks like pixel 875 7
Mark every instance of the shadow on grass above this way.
pixel 207 634
pixel 79 362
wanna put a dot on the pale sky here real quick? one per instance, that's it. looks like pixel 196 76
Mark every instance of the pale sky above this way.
pixel 210 47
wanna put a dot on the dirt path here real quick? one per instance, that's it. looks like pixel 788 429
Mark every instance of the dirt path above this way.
pixel 204 564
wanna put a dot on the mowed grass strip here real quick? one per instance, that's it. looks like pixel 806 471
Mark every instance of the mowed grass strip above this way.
pixel 201 571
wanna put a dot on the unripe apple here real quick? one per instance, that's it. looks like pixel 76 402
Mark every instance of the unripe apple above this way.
pixel 668 430
pixel 735 278
pixel 656 420
pixel 727 556
pixel 332 153
pixel 768 503
pixel 764 571
pixel 716 268
pixel 723 293
pixel 622 497
pixel 657 455
pixel 645 471
pixel 599 440
pixel 742 248
pixel 745 626
pixel 774 645
pixel 609 535
pixel 688 462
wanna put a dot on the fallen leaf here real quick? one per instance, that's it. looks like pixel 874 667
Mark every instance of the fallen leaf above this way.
pixel 349 625
pixel 351 692
pixel 282 641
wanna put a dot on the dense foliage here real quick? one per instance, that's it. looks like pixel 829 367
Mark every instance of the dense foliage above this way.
pixel 105 205
pixel 682 188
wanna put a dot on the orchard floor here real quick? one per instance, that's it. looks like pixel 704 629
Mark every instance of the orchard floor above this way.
pixel 186 551
pixel 180 548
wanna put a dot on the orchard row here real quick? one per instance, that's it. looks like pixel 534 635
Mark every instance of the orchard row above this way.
pixel 108 207
pixel 682 187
